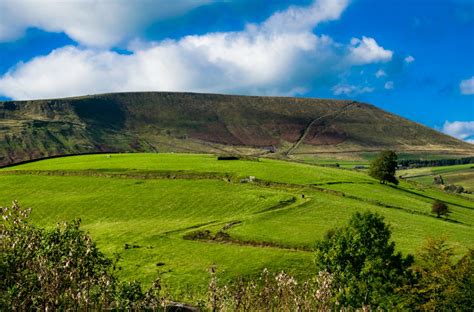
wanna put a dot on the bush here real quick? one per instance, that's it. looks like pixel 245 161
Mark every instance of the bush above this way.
pixel 271 292
pixel 365 268
pixel 199 235
pixel 440 208
pixel 451 188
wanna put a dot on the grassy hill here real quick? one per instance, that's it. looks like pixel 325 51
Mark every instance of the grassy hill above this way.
pixel 178 214
pixel 458 174
pixel 206 123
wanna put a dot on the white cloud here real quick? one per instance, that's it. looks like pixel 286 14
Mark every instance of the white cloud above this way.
pixel 389 85
pixel 261 59
pixel 459 129
pixel 89 22
pixel 366 51
pixel 347 89
pixel 467 86
pixel 409 59
pixel 297 19
pixel 380 73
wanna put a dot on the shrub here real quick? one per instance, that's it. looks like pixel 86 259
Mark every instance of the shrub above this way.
pixel 438 180
pixel 271 292
pixel 440 208
pixel 199 235
pixel 451 188
pixel 362 260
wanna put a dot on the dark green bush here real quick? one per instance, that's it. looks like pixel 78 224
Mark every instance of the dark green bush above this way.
pixel 366 269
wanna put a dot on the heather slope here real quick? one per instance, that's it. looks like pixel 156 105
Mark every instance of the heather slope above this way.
pixel 203 123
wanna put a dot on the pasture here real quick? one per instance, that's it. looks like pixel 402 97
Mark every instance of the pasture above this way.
pixel 458 174
pixel 147 207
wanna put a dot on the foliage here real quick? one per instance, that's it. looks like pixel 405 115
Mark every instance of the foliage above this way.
pixel 440 208
pixel 363 262
pixel 271 292
pixel 61 269
pixel 383 167
pixel 451 188
pixel 438 180
pixel 415 163
pixel 442 284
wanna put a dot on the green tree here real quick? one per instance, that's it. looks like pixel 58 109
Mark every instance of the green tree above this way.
pixel 365 267
pixel 383 168
pixel 440 208
pixel 442 284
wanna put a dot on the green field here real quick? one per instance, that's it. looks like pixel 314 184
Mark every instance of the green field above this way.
pixel 458 174
pixel 151 201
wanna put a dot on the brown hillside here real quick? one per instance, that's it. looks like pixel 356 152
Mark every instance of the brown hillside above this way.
pixel 188 122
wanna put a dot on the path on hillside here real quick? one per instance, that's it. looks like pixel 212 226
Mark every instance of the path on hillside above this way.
pixel 308 128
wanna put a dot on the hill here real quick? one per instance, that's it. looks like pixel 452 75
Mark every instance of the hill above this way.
pixel 462 175
pixel 177 214
pixel 207 123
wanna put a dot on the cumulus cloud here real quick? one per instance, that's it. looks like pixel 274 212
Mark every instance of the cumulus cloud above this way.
pixel 459 129
pixel 366 51
pixel 297 19
pixel 467 86
pixel 389 85
pixel 409 59
pixel 380 73
pixel 347 89
pixel 263 58
pixel 89 22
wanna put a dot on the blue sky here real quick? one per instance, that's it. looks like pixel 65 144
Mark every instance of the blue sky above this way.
pixel 413 58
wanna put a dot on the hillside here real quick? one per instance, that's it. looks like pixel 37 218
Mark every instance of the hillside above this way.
pixel 462 175
pixel 180 213
pixel 205 123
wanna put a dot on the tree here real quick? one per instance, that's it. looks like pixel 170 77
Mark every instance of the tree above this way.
pixel 383 167
pixel 442 284
pixel 366 270
pixel 440 208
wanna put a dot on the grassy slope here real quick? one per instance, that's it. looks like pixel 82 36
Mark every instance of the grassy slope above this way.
pixel 155 213
pixel 210 123
pixel 458 174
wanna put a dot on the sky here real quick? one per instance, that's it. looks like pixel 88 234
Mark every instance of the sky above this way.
pixel 414 58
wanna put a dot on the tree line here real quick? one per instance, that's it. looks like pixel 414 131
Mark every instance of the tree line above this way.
pixel 435 162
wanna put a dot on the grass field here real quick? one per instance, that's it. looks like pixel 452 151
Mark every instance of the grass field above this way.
pixel 458 174
pixel 151 201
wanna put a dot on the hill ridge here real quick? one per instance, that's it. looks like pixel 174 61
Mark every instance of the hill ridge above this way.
pixel 208 123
